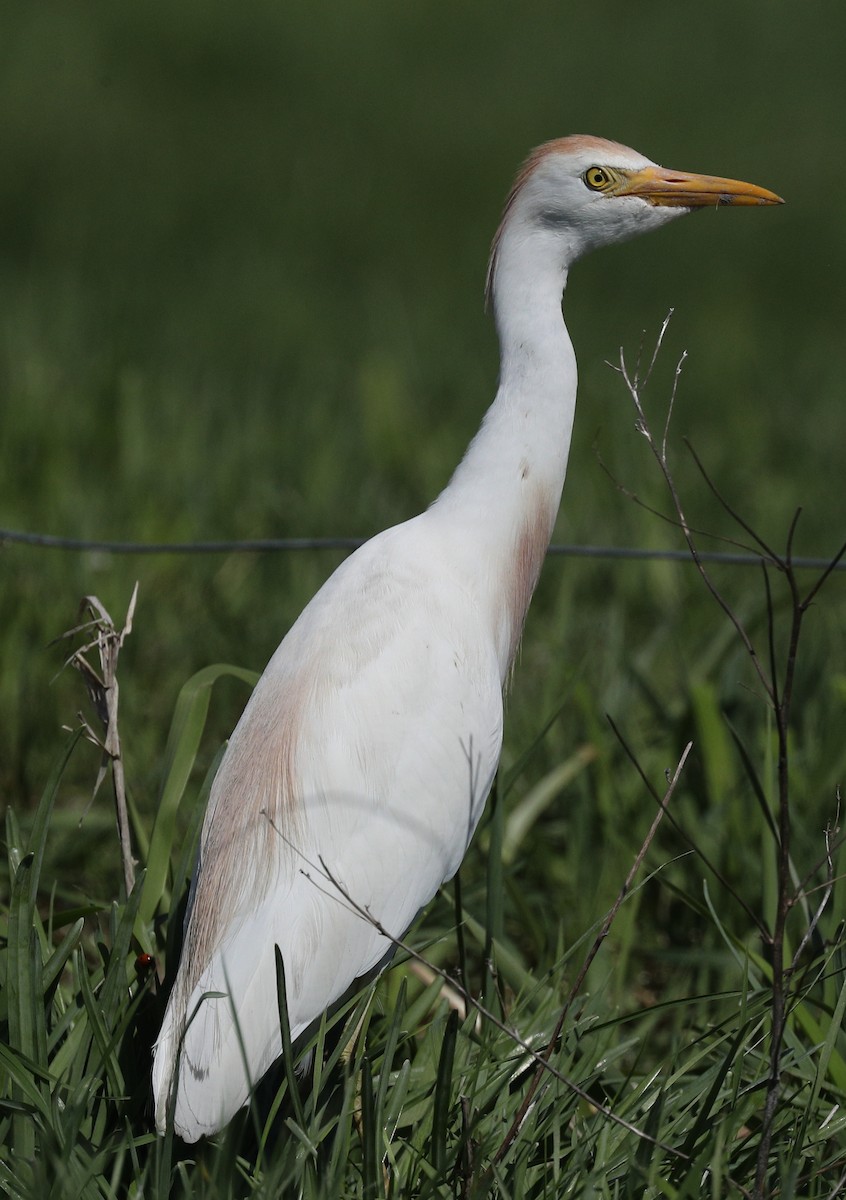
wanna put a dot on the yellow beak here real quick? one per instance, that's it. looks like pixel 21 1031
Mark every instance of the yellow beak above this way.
pixel 680 189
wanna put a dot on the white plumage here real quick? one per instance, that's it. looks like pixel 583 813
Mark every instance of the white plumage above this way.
pixel 370 743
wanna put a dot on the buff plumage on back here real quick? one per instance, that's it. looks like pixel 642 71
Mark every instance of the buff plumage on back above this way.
pixel 253 805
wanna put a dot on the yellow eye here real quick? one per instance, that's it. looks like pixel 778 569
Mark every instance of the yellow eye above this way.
pixel 597 179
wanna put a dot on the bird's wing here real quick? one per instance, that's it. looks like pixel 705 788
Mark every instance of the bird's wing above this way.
pixel 349 791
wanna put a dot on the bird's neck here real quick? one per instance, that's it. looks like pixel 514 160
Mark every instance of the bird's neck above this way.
pixel 501 503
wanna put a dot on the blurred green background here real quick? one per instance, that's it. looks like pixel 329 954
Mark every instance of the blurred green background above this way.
pixel 242 251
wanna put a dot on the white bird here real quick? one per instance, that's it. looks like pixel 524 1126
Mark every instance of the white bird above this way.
pixel 357 774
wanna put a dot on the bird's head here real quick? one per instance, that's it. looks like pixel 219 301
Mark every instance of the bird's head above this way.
pixel 578 193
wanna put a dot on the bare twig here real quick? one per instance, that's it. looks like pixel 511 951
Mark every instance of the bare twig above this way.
pixel 633 385
pixel 778 684
pixel 835 838
pixel 103 691
pixel 765 549
pixel 315 872
pixel 750 556
pixel 604 929
pixel 833 565
pixel 695 848
pixel 823 904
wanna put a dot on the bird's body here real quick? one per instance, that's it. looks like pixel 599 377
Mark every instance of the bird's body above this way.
pixel 360 767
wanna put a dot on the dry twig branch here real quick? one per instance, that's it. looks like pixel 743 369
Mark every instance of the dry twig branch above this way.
pixel 337 892
pixel 778 685
pixel 103 691
pixel 604 929
pixel 634 385
pixel 695 848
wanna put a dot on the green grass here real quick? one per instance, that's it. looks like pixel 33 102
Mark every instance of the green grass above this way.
pixel 655 1087
pixel 241 257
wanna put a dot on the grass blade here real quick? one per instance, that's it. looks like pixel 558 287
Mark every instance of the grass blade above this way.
pixel 287 1051
pixel 186 729
pixel 443 1095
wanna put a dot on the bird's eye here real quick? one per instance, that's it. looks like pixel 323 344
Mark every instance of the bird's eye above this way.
pixel 597 179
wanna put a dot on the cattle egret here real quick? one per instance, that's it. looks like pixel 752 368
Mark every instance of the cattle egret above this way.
pixel 360 767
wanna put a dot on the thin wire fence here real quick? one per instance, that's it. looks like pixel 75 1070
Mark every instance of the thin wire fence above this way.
pixel 48 541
